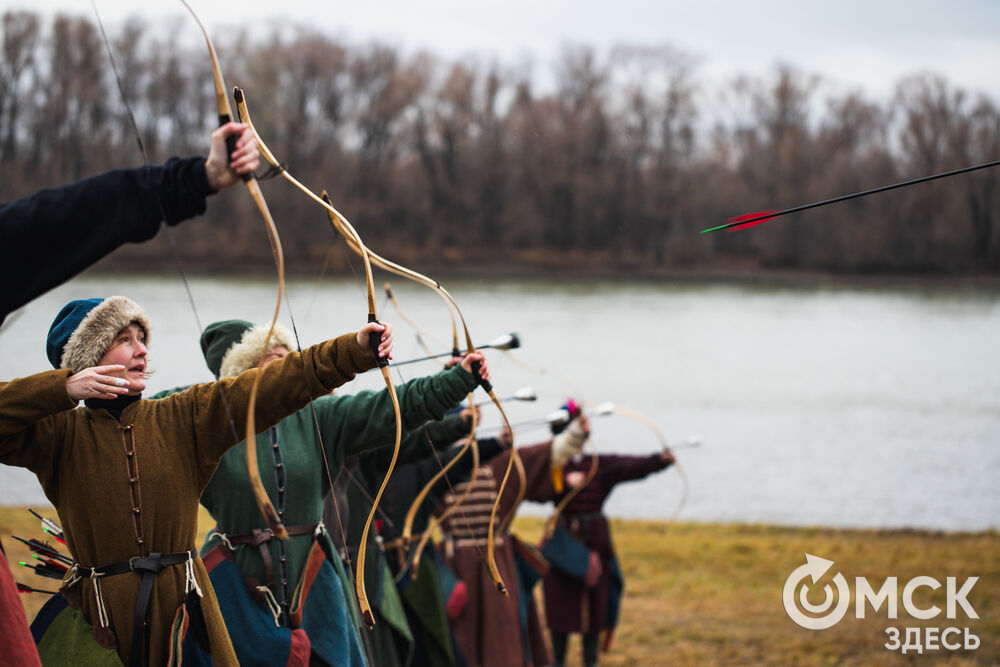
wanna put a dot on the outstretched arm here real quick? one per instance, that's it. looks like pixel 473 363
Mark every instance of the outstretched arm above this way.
pixel 363 421
pixel 49 237
pixel 618 468
pixel 286 385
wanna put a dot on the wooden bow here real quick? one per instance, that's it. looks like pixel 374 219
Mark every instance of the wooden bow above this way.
pixel 435 521
pixel 225 116
pixel 348 231
pixel 341 224
pixel 354 241
pixel 664 446
pixel 470 441
pixel 470 446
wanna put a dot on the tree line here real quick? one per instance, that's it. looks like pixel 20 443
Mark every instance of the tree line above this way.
pixel 613 167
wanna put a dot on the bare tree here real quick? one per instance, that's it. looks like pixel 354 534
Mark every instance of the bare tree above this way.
pixel 17 73
pixel 615 166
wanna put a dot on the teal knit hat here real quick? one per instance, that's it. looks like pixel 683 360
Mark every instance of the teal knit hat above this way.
pixel 84 329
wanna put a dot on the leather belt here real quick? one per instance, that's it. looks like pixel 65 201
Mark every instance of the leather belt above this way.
pixel 147 567
pixel 259 538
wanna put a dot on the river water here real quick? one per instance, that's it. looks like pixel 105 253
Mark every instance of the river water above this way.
pixel 846 407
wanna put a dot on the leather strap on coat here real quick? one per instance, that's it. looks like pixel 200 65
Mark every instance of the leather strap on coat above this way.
pixel 259 538
pixel 147 567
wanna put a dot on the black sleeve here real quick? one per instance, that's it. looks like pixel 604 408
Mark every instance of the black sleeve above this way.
pixel 48 238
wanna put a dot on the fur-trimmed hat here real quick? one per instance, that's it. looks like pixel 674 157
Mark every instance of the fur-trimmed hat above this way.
pixel 233 346
pixel 85 328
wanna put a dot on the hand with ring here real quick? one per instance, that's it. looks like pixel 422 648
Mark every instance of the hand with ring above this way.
pixel 97 382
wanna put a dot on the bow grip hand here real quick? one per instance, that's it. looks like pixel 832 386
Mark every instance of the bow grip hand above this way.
pixel 374 340
pixel 475 363
pixel 230 149
pixel 483 382
pixel 232 155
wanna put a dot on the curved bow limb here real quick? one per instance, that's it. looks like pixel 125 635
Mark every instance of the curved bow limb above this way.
pixel 411 513
pixel 470 445
pixel 337 219
pixel 643 419
pixel 349 232
pixel 341 223
pixel 491 562
pixel 226 115
pixel 344 227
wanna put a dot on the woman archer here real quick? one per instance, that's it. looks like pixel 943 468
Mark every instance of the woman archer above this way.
pixel 126 474
pixel 51 236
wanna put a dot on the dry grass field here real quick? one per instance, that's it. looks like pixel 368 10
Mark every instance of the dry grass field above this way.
pixel 710 594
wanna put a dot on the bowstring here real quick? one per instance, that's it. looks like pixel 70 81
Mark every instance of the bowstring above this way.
pixel 317 284
pixel 322 446
pixel 473 476
pixel 336 504
pixel 187 286
pixel 148 170
pixel 350 263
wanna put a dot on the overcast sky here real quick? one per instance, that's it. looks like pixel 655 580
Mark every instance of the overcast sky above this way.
pixel 867 44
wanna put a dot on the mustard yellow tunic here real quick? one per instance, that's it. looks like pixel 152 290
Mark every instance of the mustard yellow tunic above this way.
pixel 81 459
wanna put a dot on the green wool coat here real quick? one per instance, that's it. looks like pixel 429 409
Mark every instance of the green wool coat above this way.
pixel 347 425
pixel 350 424
pixel 79 456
